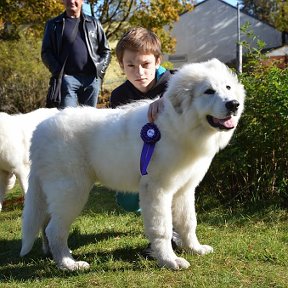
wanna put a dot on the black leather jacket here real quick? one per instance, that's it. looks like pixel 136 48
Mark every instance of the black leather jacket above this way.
pixel 96 42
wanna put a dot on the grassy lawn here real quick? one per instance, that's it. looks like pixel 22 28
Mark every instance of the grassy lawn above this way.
pixel 250 250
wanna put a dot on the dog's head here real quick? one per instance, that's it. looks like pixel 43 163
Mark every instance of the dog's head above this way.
pixel 208 91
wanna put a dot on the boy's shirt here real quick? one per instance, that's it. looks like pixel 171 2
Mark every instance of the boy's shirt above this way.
pixel 159 72
pixel 127 93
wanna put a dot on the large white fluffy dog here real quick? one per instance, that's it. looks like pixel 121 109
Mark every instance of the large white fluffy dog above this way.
pixel 79 146
pixel 15 136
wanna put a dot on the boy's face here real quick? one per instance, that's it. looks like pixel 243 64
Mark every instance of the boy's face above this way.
pixel 140 69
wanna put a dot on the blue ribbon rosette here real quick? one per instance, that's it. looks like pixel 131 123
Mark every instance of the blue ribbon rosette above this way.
pixel 150 134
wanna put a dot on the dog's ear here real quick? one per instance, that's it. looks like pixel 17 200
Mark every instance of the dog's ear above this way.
pixel 214 62
pixel 182 99
pixel 179 91
pixel 177 103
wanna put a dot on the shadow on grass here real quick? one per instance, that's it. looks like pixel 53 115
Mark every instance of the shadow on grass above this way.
pixel 77 240
pixel 36 265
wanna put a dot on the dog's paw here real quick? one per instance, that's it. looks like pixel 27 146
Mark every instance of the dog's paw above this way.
pixel 174 264
pixel 202 249
pixel 182 263
pixel 74 266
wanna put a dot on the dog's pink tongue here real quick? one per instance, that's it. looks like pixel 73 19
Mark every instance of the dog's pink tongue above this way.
pixel 228 123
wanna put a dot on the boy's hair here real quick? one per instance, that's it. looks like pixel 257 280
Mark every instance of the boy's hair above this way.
pixel 141 40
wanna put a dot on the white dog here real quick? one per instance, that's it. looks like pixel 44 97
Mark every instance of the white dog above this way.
pixel 15 136
pixel 72 150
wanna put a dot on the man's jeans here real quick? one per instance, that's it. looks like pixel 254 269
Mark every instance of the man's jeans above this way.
pixel 79 90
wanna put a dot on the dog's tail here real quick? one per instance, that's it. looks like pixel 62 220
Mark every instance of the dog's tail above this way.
pixel 11 181
pixel 34 214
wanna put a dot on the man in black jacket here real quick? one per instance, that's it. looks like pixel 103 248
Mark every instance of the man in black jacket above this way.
pixel 88 54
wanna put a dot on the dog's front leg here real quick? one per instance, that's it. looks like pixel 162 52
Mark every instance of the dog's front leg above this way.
pixel 185 221
pixel 156 210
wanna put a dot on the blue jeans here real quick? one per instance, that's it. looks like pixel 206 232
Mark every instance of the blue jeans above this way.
pixel 79 90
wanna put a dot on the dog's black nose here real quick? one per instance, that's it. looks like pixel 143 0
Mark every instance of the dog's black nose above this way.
pixel 232 105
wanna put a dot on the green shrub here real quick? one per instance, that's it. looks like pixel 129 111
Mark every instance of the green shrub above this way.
pixel 24 79
pixel 254 167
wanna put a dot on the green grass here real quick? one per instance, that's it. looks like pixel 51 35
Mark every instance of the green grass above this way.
pixel 250 250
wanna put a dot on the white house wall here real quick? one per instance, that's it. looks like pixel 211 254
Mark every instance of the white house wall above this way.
pixel 210 30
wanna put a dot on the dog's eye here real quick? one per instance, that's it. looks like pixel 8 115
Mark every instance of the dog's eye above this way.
pixel 210 91
pixel 228 87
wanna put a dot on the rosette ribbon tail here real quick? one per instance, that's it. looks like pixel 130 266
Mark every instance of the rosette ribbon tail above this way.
pixel 150 134
pixel 146 155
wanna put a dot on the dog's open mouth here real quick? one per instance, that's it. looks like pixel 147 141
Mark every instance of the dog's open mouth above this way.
pixel 223 124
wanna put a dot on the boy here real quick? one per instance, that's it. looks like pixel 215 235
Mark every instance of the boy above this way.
pixel 139 55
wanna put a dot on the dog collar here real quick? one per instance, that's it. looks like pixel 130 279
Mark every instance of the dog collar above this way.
pixel 150 134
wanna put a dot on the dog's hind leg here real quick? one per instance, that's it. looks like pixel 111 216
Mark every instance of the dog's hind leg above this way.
pixel 34 215
pixel 185 221
pixel 63 210
pixel 156 210
pixel 45 243
pixel 7 182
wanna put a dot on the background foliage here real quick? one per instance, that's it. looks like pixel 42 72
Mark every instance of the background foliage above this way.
pixel 24 79
pixel 28 16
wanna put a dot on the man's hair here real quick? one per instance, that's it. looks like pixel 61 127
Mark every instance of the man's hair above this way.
pixel 140 40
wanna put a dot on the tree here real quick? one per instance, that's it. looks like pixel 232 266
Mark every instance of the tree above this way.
pixel 116 16
pixel 29 16
pixel 281 18
pixel 113 14
pixel 159 16
pixel 274 12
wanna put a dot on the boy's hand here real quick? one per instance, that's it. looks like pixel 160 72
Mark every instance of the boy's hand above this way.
pixel 155 108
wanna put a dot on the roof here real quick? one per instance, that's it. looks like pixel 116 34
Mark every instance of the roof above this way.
pixel 216 0
pixel 233 7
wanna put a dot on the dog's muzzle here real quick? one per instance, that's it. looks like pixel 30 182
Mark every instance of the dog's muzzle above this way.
pixel 228 122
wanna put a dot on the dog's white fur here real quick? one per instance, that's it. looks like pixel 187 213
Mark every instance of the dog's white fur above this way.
pixel 72 150
pixel 15 136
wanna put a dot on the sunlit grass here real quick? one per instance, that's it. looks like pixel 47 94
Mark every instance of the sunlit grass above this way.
pixel 250 249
